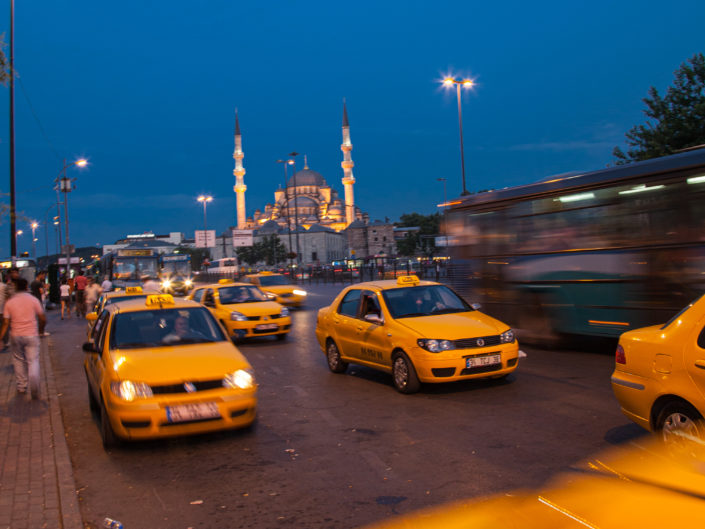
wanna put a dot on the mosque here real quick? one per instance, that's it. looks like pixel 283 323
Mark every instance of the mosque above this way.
pixel 309 216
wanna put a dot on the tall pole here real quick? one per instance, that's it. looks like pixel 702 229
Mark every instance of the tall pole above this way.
pixel 13 212
pixel 444 231
pixel 296 210
pixel 34 226
pixel 66 187
pixel 205 223
pixel 462 150
pixel 288 211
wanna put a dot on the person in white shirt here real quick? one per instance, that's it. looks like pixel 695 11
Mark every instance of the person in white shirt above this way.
pixel 106 285
pixel 92 293
pixel 65 291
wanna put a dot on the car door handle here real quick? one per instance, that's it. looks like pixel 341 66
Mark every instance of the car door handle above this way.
pixel 359 329
pixel 700 364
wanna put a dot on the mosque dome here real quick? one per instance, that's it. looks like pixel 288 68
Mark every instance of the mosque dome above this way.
pixel 306 177
pixel 302 202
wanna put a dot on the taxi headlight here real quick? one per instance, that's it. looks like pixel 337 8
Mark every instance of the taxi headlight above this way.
pixel 436 346
pixel 240 379
pixel 129 390
pixel 166 283
pixel 284 313
pixel 300 292
pixel 237 316
pixel 188 282
pixel 270 295
pixel 507 336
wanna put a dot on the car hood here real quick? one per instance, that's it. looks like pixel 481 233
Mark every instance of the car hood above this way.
pixel 259 308
pixel 178 362
pixel 454 326
pixel 280 289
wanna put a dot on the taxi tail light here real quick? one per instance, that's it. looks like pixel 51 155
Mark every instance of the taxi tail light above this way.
pixel 619 356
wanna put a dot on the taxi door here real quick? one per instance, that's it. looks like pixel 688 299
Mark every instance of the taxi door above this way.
pixel 374 343
pixel 694 359
pixel 346 324
pixel 95 365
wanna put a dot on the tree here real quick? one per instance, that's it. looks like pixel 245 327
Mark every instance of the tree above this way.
pixel 4 63
pixel 675 121
pixel 421 241
pixel 269 249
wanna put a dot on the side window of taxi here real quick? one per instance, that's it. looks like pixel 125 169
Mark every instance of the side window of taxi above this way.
pixel 370 305
pixel 99 331
pixel 701 339
pixel 198 295
pixel 208 299
pixel 348 306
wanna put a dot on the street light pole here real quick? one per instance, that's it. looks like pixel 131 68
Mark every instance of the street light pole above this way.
pixel 296 209
pixel 34 227
pixel 467 83
pixel 205 199
pixel 286 195
pixel 65 186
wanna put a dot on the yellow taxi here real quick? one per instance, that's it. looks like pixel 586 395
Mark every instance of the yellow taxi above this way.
pixel 113 296
pixel 419 331
pixel 640 485
pixel 659 375
pixel 243 309
pixel 278 288
pixel 162 367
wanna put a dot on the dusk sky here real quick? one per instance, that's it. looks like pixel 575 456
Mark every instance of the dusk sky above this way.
pixel 147 92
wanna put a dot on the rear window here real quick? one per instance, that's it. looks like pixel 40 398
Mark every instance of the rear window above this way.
pixel 680 313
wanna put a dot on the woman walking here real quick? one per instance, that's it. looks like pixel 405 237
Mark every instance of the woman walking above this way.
pixel 65 291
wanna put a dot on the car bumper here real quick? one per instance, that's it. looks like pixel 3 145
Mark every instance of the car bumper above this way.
pixel 452 366
pixel 291 301
pixel 147 419
pixel 635 397
pixel 248 329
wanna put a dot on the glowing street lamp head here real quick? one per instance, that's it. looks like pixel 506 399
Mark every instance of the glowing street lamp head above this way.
pixel 19 232
pixel 34 225
pixel 448 81
pixel 82 162
pixel 467 83
pixel 204 198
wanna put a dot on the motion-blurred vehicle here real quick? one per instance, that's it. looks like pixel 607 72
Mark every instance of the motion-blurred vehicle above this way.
pixel 162 367
pixel 176 274
pixel 659 375
pixel 419 331
pixel 243 309
pixel 641 486
pixel 278 287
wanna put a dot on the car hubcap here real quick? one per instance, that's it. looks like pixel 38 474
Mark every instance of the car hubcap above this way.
pixel 401 373
pixel 332 356
pixel 677 428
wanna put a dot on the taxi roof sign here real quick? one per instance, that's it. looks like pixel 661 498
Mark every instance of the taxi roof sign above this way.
pixel 133 290
pixel 408 280
pixel 226 280
pixel 159 299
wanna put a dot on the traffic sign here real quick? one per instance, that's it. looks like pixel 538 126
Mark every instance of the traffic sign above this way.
pixel 205 239
pixel 242 238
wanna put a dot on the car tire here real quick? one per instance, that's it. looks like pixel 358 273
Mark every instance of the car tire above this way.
pixel 335 362
pixel 107 434
pixel 679 418
pixel 404 374
pixel 92 402
pixel 281 337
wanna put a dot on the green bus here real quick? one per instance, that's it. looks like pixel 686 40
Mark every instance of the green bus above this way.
pixel 590 254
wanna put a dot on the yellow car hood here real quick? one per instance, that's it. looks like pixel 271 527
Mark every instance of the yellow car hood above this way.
pixel 259 308
pixel 454 326
pixel 203 361
pixel 280 289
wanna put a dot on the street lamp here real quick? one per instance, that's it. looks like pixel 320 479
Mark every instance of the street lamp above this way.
pixel 465 83
pixel 65 185
pixel 34 227
pixel 445 208
pixel 292 161
pixel 205 199
pixel 286 195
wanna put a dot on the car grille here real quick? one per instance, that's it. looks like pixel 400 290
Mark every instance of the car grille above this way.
pixel 470 343
pixel 481 369
pixel 203 385
pixel 286 295
pixel 443 371
pixel 270 316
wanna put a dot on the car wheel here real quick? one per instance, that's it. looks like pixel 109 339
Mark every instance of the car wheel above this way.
pixel 679 421
pixel 404 374
pixel 335 362
pixel 107 434
pixel 92 402
pixel 281 336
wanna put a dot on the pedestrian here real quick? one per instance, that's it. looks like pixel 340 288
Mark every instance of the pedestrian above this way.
pixel 37 288
pixel 3 343
pixel 80 282
pixel 92 293
pixel 65 292
pixel 106 285
pixel 11 282
pixel 24 316
pixel 149 284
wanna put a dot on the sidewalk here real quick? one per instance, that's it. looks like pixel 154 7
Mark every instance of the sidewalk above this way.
pixel 37 487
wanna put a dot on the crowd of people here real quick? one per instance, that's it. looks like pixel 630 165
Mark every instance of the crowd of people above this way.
pixel 81 292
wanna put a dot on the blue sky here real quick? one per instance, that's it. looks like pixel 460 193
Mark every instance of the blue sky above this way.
pixel 147 91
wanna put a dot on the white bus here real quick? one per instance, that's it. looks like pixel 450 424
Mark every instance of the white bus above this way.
pixel 227 265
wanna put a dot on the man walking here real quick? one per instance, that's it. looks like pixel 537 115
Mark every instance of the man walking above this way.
pixel 24 316
pixel 81 282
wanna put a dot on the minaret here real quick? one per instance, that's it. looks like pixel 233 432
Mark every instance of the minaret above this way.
pixel 347 165
pixel 239 173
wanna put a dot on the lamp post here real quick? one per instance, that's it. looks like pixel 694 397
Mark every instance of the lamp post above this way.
pixel 205 199
pixel 286 195
pixel 466 83
pixel 444 231
pixel 296 208
pixel 34 227
pixel 65 185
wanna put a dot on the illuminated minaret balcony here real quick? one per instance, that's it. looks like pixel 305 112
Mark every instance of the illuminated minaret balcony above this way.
pixel 239 173
pixel 347 164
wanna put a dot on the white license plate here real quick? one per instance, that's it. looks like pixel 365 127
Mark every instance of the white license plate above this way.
pixel 267 327
pixel 479 361
pixel 192 412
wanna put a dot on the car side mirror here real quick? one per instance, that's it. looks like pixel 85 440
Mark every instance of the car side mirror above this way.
pixel 92 316
pixel 476 306
pixel 89 347
pixel 373 318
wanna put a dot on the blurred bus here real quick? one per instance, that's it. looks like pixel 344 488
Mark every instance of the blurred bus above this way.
pixel 127 266
pixel 595 254
pixel 27 267
pixel 226 266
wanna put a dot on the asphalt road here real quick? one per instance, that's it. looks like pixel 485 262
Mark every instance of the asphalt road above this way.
pixel 342 451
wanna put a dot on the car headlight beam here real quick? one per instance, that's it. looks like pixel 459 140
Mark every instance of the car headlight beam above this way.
pixel 436 346
pixel 507 336
pixel 129 390
pixel 237 316
pixel 300 292
pixel 240 379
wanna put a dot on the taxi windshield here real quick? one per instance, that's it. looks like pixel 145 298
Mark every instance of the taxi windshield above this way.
pixel 163 327
pixel 408 302
pixel 271 281
pixel 241 294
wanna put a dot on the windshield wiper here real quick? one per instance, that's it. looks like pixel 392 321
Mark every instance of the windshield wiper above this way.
pixel 137 345
pixel 414 314
pixel 450 310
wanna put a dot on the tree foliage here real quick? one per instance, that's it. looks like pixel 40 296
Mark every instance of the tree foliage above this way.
pixel 420 242
pixel 4 63
pixel 269 250
pixel 675 121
